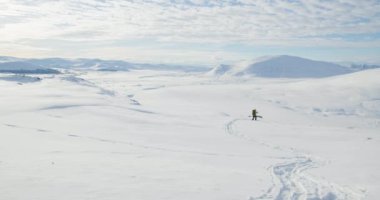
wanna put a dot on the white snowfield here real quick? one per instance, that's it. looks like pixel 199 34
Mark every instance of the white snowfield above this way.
pixel 148 135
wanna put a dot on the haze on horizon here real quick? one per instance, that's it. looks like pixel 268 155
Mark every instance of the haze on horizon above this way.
pixel 191 31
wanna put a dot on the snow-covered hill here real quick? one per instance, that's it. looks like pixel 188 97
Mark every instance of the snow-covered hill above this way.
pixel 268 66
pixel 282 67
pixel 11 64
pixel 25 67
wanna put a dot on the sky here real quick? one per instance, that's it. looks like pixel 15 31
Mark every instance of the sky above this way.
pixel 202 32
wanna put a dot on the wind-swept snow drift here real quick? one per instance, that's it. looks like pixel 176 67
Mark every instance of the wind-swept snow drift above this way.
pixel 282 67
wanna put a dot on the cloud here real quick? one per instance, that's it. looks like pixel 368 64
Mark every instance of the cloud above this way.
pixel 196 20
pixel 272 22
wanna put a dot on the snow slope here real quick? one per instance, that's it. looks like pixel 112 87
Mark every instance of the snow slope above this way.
pixel 282 67
pixel 171 135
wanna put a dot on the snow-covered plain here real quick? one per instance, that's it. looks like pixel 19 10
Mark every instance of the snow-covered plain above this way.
pixel 171 135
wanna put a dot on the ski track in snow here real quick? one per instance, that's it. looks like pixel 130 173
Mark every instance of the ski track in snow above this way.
pixel 290 179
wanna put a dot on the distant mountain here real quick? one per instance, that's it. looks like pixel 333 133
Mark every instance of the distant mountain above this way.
pixel 15 65
pixel 22 67
pixel 283 66
pixel 9 59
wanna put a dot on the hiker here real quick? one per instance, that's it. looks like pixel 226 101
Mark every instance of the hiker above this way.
pixel 254 114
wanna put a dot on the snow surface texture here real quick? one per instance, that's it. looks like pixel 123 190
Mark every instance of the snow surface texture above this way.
pixel 282 67
pixel 170 135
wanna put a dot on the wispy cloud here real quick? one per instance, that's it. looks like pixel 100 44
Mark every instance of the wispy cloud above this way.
pixel 254 22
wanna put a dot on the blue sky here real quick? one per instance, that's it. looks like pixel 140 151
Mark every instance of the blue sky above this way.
pixel 203 32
